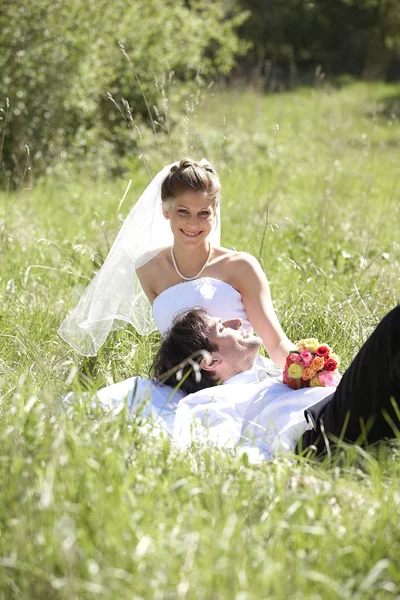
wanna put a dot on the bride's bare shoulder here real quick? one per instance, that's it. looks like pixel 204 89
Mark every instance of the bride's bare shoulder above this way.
pixel 236 258
pixel 223 253
pixel 148 267
pixel 150 260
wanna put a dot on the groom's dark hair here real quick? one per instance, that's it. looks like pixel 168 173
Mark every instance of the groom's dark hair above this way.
pixel 181 351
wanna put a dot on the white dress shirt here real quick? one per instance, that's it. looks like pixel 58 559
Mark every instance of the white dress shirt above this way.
pixel 253 410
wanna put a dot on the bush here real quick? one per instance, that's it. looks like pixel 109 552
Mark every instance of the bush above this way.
pixel 61 61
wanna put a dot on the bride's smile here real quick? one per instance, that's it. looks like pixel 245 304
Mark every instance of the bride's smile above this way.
pixel 191 217
pixel 191 234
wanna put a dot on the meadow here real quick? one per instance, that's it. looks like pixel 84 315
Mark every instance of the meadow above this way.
pixel 93 503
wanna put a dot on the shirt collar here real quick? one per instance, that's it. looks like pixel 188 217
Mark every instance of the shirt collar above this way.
pixel 249 376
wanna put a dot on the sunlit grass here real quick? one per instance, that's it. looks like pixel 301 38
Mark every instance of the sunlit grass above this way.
pixel 96 504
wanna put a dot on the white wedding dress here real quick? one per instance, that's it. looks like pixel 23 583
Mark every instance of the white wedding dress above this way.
pixel 254 410
pixel 220 298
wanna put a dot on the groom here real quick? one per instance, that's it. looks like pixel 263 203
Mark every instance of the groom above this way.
pixel 363 409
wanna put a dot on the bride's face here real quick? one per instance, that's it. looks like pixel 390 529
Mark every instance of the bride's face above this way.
pixel 191 216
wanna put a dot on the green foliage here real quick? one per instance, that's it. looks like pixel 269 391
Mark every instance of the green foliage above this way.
pixel 98 504
pixel 60 61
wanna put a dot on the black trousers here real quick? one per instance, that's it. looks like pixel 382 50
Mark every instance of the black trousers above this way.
pixel 365 407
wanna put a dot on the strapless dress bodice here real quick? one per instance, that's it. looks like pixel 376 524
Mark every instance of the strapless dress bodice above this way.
pixel 218 297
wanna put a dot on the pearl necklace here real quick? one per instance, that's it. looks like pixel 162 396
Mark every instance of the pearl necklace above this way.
pixel 195 276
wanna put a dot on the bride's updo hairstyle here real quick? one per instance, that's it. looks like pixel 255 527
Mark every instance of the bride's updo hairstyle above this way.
pixel 192 176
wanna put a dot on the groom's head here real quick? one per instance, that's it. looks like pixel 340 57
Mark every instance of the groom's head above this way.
pixel 220 348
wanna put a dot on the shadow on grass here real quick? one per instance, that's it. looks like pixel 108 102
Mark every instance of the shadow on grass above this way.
pixel 351 458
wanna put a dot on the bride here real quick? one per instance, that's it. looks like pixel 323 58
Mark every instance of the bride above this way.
pixel 166 259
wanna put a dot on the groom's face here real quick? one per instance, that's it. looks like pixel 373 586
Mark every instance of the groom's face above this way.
pixel 237 348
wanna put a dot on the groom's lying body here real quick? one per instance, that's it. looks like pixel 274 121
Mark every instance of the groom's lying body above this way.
pixel 363 409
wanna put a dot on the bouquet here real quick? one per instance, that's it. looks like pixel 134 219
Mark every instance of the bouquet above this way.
pixel 312 365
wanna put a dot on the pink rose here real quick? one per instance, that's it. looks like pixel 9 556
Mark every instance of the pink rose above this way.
pixel 329 378
pixel 308 373
pixel 295 358
pixel 306 357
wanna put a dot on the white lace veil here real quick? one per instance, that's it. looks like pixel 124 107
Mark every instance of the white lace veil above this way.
pixel 114 297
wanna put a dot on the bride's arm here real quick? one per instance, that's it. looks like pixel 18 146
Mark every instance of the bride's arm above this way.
pixel 251 282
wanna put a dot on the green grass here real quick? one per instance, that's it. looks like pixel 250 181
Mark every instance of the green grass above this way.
pixel 98 505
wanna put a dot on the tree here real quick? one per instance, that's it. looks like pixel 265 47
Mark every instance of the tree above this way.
pixel 384 39
pixel 359 37
pixel 59 61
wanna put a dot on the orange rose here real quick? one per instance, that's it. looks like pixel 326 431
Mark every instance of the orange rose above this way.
pixel 308 373
pixel 317 363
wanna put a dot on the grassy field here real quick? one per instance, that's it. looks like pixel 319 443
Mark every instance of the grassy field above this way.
pixel 95 505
